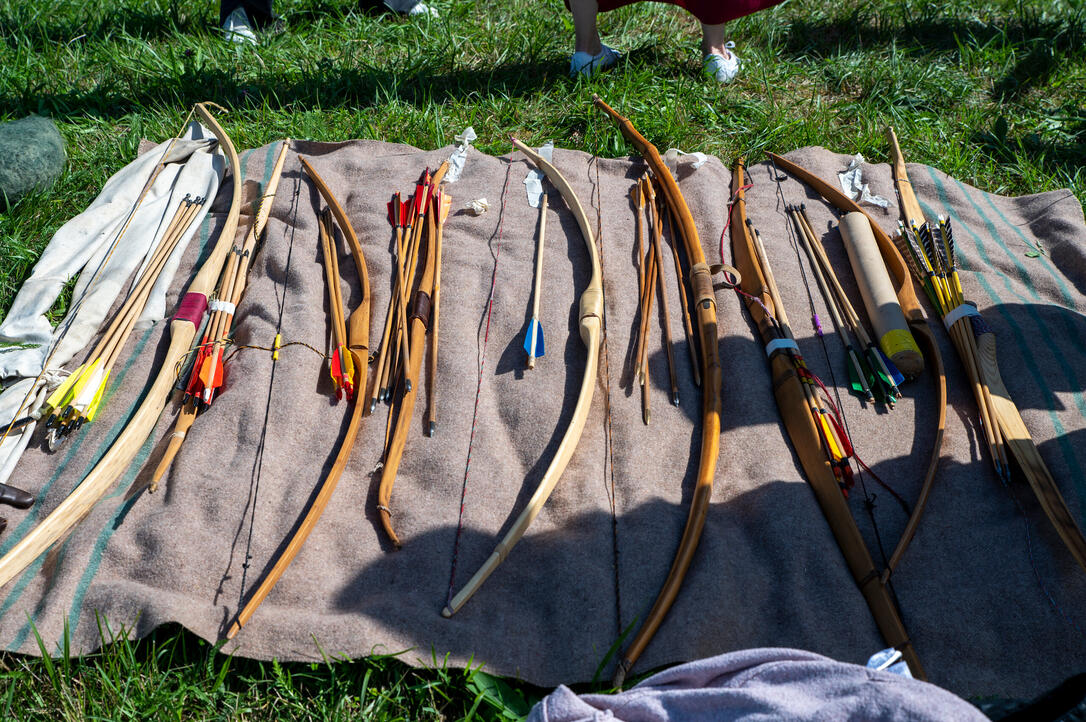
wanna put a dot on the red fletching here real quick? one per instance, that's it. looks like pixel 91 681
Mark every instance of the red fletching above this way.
pixel 195 386
pixel 395 214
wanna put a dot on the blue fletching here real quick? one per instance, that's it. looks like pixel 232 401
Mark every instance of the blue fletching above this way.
pixel 534 337
pixel 897 377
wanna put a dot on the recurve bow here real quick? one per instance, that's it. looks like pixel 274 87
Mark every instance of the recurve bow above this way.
pixel 591 320
pixel 914 315
pixel 358 332
pixel 701 282
pixel 788 391
pixel 419 321
pixel 140 425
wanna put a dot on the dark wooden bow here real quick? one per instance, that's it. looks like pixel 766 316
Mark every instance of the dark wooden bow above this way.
pixel 798 422
pixel 705 307
pixel 918 325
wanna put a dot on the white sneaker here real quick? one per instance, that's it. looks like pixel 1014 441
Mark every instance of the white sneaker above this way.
pixel 424 9
pixel 238 29
pixel 587 65
pixel 411 7
pixel 722 67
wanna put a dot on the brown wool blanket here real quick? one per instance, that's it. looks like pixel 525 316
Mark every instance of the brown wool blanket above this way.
pixel 993 601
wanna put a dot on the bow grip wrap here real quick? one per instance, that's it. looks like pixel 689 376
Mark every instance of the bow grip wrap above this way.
pixel 422 308
pixel 701 281
pixel 191 308
pixel 591 304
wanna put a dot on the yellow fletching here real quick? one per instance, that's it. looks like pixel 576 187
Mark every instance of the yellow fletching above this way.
pixel 831 440
pixel 57 397
pixel 92 410
pixel 347 359
pixel 77 388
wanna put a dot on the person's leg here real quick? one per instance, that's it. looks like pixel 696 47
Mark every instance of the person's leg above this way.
pixel 586 37
pixel 718 58
pixel 589 54
pixel 712 40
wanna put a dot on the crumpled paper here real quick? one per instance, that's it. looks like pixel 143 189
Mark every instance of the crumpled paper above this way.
pixel 852 183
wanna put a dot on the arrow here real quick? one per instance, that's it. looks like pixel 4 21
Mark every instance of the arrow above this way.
pixel 533 342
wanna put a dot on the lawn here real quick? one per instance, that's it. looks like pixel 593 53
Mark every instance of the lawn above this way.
pixel 993 93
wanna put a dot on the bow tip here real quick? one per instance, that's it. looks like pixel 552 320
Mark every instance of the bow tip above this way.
pixel 233 631
pixel 447 612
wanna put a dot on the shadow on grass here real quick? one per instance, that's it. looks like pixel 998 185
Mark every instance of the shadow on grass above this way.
pixel 1065 155
pixel 324 85
pixel 1050 41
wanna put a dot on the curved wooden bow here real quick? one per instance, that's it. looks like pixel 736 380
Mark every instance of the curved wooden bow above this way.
pixel 788 391
pixel 914 314
pixel 591 320
pixel 420 319
pixel 140 425
pixel 358 333
pixel 705 306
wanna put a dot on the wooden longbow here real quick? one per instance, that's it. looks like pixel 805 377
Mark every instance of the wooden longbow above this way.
pixel 358 334
pixel 419 321
pixel 918 325
pixel 788 391
pixel 591 319
pixel 140 425
pixel 701 282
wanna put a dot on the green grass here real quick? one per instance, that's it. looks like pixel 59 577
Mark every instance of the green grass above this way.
pixel 990 92
pixel 174 675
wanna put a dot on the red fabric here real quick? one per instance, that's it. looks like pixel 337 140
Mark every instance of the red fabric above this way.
pixel 710 12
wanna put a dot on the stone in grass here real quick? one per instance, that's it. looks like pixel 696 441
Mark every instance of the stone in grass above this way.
pixel 31 157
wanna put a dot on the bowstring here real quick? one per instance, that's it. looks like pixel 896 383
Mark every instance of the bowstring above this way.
pixel 609 456
pixel 484 329
pixel 258 458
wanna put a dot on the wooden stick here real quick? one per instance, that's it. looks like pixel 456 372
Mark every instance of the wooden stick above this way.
pixel 443 213
pixel 688 326
pixel 404 290
pixel 658 264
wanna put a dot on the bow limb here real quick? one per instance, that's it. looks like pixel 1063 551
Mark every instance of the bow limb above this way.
pixel 705 308
pixel 358 331
pixel 906 296
pixel 990 390
pixel 591 319
pixel 419 321
pixel 788 391
pixel 358 344
pixel 140 425
pixel 1021 445
pixel 187 416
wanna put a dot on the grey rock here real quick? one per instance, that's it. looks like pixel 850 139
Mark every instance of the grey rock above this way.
pixel 31 157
